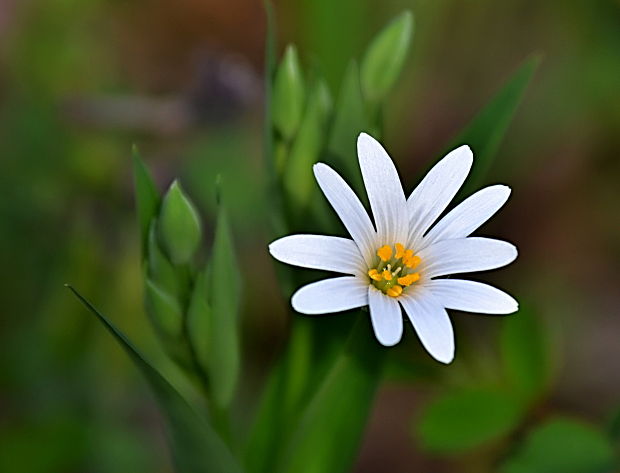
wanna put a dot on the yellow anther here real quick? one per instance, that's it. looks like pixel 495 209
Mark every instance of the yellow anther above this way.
pixel 385 252
pixel 387 275
pixel 400 250
pixel 394 291
pixel 412 261
pixel 409 279
pixel 374 274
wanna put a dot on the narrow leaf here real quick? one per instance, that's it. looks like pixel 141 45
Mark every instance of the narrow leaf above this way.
pixel 270 66
pixel 147 197
pixel 462 420
pixel 385 57
pixel 298 177
pixel 224 295
pixel 563 445
pixel 485 132
pixel 195 445
pixel 349 121
pixel 331 426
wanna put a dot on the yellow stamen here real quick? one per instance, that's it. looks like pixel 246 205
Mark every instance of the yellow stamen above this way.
pixel 409 279
pixel 374 274
pixel 387 275
pixel 385 252
pixel 412 261
pixel 394 291
pixel 400 250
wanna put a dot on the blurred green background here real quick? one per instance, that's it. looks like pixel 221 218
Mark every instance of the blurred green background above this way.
pixel 81 80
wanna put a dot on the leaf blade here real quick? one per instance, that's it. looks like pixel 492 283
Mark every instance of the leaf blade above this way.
pixel 485 132
pixel 147 197
pixel 195 445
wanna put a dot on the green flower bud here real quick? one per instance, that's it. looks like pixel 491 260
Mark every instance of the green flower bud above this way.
pixel 179 225
pixel 288 94
pixel 385 57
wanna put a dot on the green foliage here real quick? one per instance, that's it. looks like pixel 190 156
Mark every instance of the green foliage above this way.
pixel 485 132
pixel 159 268
pixel 348 122
pixel 147 197
pixel 306 149
pixel 613 426
pixel 468 418
pixel 288 94
pixel 385 57
pixel 562 445
pixel 166 315
pixel 196 446
pixel 178 225
pixel 525 354
pixel 339 407
pixel 224 290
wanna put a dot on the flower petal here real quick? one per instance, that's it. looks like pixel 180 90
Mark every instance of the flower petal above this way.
pixel 466 217
pixel 431 197
pixel 319 252
pixel 385 192
pixel 386 317
pixel 431 322
pixel 331 295
pixel 465 255
pixel 349 209
pixel 471 296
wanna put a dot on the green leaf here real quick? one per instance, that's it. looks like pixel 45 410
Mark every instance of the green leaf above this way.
pixel 288 94
pixel 298 178
pixel 485 132
pixel 147 197
pixel 159 269
pixel 613 426
pixel 199 315
pixel 563 445
pixel 166 315
pixel 525 354
pixel 179 225
pixel 327 437
pixel 459 421
pixel 385 57
pixel 349 121
pixel 195 445
pixel 224 292
pixel 270 66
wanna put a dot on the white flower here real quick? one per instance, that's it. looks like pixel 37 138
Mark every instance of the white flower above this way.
pixel 401 260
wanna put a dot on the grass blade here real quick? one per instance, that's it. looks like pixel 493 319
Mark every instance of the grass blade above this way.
pixel 195 445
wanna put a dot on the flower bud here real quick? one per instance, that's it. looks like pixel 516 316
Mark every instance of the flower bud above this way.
pixel 288 94
pixel 178 225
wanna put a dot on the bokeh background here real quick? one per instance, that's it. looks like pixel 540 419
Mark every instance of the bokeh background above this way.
pixel 81 80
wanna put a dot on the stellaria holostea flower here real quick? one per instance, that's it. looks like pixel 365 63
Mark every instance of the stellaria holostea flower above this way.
pixel 403 259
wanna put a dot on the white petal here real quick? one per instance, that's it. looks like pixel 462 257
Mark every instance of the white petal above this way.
pixel 466 217
pixel 349 209
pixel 471 296
pixel 331 295
pixel 386 317
pixel 465 255
pixel 436 190
pixel 385 192
pixel 431 322
pixel 319 252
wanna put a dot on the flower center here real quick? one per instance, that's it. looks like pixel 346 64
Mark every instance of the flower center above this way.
pixel 395 269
